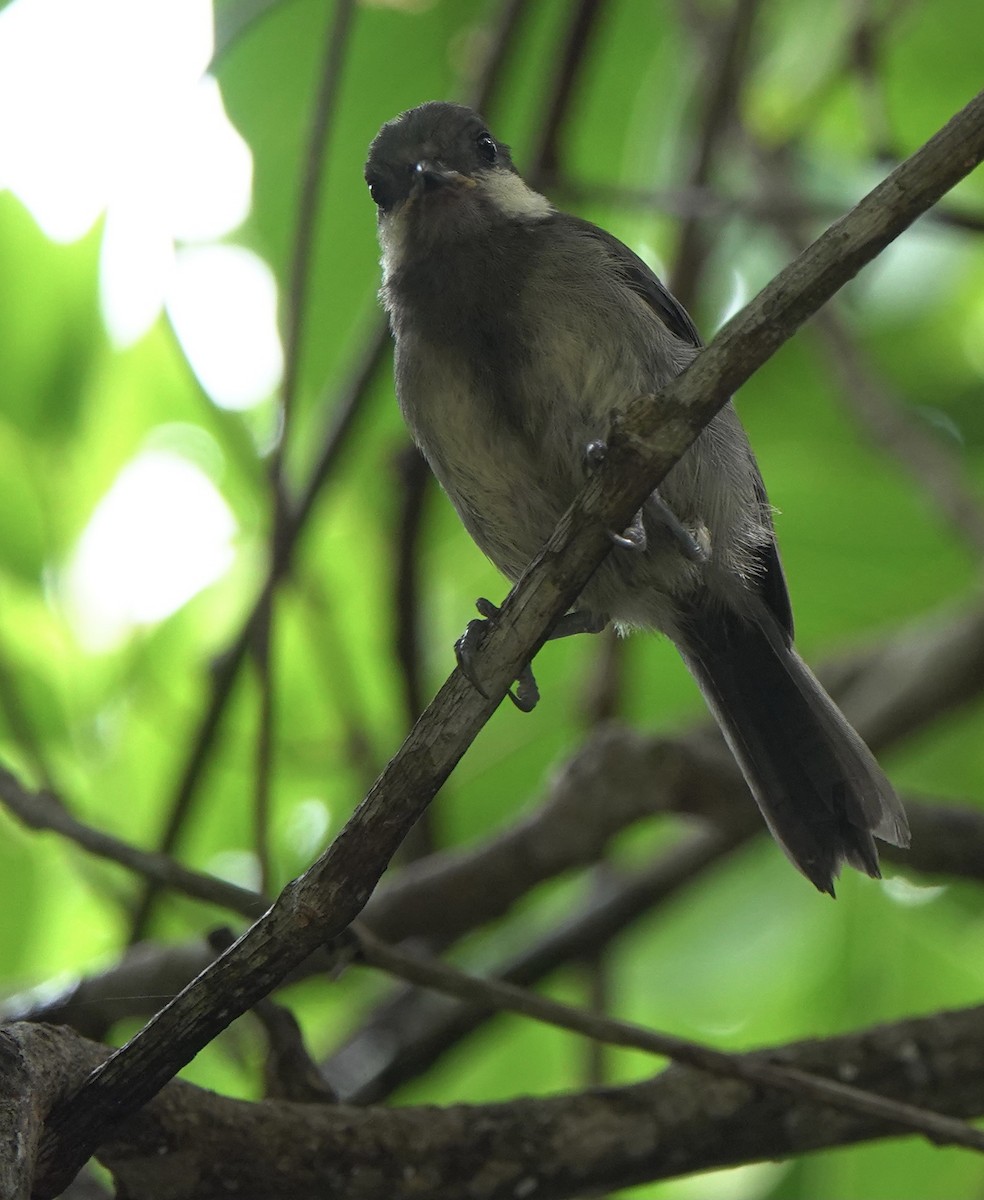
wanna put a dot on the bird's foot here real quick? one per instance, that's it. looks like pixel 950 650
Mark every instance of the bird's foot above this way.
pixel 634 538
pixel 466 649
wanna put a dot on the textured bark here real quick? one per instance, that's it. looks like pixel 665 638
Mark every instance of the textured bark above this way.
pixel 189 1144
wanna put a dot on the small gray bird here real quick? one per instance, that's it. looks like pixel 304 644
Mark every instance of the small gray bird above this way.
pixel 519 331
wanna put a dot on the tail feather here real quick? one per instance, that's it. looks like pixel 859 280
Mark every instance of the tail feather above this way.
pixel 820 790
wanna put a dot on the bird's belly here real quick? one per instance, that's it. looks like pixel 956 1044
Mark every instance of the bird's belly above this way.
pixel 508 496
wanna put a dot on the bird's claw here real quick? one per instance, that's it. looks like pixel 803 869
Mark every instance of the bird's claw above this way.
pixel 527 694
pixel 634 538
pixel 688 544
pixel 466 649
pixel 594 455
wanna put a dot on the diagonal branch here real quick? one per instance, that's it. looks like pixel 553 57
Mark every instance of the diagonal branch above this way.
pixel 647 439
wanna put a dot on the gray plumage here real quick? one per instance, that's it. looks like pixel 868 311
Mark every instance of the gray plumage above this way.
pixel 519 330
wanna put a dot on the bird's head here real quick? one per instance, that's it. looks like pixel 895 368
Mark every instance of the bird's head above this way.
pixel 437 175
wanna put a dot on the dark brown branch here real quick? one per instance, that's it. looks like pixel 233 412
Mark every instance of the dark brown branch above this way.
pixel 504 997
pixel 728 41
pixel 582 27
pixel 42 810
pixel 192 1143
pixel 645 442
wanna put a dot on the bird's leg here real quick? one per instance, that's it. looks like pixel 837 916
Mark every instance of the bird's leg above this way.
pixel 691 548
pixel 578 621
pixel 634 538
pixel 527 693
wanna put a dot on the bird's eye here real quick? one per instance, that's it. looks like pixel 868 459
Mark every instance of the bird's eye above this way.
pixel 377 192
pixel 487 147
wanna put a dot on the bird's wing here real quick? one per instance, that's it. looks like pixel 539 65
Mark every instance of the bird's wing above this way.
pixel 646 284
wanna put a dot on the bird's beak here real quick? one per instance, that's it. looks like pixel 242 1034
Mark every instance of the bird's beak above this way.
pixel 431 177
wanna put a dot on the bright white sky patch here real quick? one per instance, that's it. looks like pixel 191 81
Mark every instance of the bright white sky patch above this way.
pixel 96 98
pixel 223 303
pixel 104 109
pixel 160 534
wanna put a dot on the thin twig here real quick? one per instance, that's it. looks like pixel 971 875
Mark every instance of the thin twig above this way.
pixel 42 810
pixel 582 26
pixel 417 1034
pixel 508 25
pixel 707 202
pixel 727 43
pixel 314 161
pixel 263 764
pixel 504 997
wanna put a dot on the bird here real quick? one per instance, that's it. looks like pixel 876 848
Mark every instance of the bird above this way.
pixel 519 330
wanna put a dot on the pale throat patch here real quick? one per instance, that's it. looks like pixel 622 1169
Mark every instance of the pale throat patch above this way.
pixel 513 197
pixel 506 191
pixel 392 240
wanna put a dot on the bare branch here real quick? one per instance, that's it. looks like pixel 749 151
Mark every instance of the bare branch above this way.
pixel 504 997
pixel 727 45
pixel 582 27
pixel 191 1143
pixel 42 810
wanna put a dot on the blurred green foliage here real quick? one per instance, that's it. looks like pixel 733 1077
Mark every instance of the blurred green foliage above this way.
pixel 749 955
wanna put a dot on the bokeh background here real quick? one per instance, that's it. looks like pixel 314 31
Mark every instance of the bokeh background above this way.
pixel 155 311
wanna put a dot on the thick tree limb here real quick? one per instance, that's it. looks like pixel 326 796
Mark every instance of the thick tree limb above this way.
pixel 646 441
pixel 191 1143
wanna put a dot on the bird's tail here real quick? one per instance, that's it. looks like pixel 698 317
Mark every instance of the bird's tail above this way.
pixel 820 790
